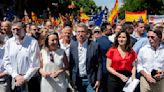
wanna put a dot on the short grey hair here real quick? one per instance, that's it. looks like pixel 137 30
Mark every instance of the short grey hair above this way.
pixel 19 24
pixel 82 25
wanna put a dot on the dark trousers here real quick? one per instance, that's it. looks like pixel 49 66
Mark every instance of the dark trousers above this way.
pixel 22 88
pixel 104 82
pixel 115 84
pixel 34 83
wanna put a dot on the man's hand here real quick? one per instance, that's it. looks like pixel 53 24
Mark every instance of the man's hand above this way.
pixel 2 74
pixel 97 85
pixel 19 80
pixel 150 79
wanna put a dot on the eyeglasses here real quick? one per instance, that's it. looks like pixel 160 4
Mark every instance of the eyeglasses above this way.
pixel 152 37
pixel 51 57
pixel 96 31
pixel 35 29
pixel 141 27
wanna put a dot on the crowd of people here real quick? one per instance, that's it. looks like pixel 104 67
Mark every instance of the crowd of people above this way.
pixel 81 57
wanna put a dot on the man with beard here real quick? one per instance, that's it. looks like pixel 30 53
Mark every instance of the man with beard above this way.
pixel 5 79
pixel 21 57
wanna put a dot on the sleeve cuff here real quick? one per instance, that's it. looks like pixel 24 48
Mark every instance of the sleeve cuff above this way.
pixel 14 75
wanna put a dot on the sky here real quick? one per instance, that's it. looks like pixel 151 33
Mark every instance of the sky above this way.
pixel 108 3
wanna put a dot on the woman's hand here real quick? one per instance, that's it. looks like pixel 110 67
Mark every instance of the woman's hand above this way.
pixel 45 74
pixel 56 73
pixel 123 78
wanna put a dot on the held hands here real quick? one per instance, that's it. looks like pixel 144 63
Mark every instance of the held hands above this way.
pixel 45 74
pixel 56 73
pixel 19 80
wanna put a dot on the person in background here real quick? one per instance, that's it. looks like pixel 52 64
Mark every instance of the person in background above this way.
pixel 116 30
pixel 150 58
pixel 34 82
pixel 129 28
pixel 139 32
pixel 53 65
pixel 104 44
pixel 120 59
pixel 22 62
pixel 65 44
pixel 6 29
pixel 5 78
pixel 85 61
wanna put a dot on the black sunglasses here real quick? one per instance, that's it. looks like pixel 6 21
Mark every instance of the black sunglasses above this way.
pixel 96 31
pixel 152 37
pixel 15 29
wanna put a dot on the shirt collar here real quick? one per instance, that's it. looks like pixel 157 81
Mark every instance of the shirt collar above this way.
pixel 83 44
pixel 160 47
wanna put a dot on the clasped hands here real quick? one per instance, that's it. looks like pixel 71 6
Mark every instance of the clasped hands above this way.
pixel 53 74
pixel 20 80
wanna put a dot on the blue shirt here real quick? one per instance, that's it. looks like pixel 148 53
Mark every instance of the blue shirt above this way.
pixel 104 44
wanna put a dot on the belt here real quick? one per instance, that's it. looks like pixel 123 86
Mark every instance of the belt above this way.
pixel 84 77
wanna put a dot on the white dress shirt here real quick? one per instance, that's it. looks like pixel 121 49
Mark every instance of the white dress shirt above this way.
pixel 82 51
pixel 149 59
pixel 112 37
pixel 21 59
pixel 66 48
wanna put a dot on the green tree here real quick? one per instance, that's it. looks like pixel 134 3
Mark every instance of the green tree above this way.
pixel 87 5
pixel 153 7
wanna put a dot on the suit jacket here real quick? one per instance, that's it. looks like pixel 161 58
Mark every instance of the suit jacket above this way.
pixel 93 59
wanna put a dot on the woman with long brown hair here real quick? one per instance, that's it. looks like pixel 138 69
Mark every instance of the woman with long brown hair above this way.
pixel 120 60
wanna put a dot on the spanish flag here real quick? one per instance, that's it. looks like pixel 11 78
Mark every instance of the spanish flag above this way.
pixel 114 13
pixel 136 16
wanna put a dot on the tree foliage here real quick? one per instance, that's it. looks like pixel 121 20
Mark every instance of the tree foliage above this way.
pixel 87 5
pixel 153 7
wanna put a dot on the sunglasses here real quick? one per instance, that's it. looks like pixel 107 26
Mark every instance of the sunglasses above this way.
pixel 15 29
pixel 152 37
pixel 35 29
pixel 96 31
pixel 141 27
pixel 51 57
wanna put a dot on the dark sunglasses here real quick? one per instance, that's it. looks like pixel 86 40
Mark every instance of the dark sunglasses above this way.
pixel 35 29
pixel 152 37
pixel 142 27
pixel 15 29
pixel 96 31
pixel 51 57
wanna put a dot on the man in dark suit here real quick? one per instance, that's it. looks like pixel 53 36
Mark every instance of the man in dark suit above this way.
pixel 85 66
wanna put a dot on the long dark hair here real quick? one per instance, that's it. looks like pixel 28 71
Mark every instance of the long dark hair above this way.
pixel 128 45
pixel 46 39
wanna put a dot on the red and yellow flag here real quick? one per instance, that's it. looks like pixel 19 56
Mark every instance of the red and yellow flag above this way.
pixel 136 16
pixel 114 13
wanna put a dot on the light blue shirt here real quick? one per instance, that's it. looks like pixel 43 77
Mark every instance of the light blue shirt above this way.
pixel 140 43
